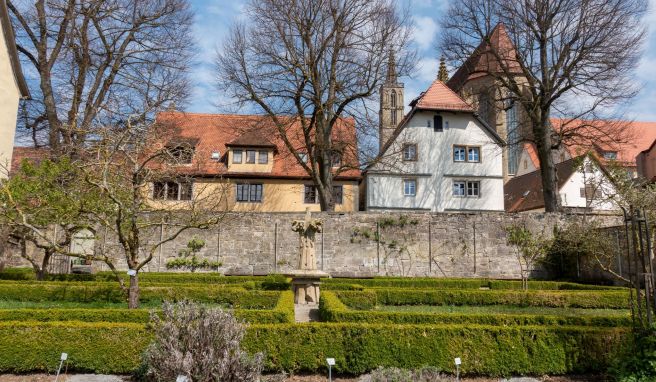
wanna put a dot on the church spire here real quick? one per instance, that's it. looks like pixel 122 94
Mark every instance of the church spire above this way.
pixel 391 69
pixel 443 73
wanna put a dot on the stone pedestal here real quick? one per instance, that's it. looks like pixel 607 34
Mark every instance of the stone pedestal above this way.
pixel 306 286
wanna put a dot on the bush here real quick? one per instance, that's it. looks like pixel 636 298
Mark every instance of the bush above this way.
pixel 99 347
pixel 638 362
pixel 485 350
pixel 110 292
pixel 555 299
pixel 283 312
pixel 332 309
pixel 201 343
pixel 358 348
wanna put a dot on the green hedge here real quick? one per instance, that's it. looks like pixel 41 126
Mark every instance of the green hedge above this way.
pixel 485 350
pixel 556 299
pixel 448 283
pixel 495 351
pixel 107 348
pixel 234 296
pixel 332 309
pixel 283 312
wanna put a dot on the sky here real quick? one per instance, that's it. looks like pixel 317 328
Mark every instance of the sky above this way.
pixel 214 17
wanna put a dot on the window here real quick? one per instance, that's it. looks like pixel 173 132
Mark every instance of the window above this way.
pixel 459 188
pixel 459 153
pixel 311 195
pixel 525 164
pixel 172 190
pixel 409 152
pixel 250 156
pixel 249 192
pixel 473 154
pixel 514 147
pixel 263 157
pixel 393 105
pixel 437 123
pixel 336 158
pixel 181 154
pixel 470 154
pixel 303 156
pixel 236 156
pixel 410 187
pixel 473 189
pixel 589 192
pixel 466 188
pixel 610 155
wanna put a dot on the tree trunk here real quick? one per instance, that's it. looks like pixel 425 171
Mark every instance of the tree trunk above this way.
pixel 133 292
pixel 43 271
pixel 547 166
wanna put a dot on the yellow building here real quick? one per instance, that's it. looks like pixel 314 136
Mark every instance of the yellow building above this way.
pixel 242 161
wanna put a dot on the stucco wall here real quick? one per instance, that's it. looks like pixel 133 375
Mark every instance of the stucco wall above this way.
pixel 278 196
pixel 9 96
pixel 435 169
pixel 570 192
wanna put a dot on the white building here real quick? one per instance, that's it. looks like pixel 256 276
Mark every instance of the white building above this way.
pixel 440 157
pixel 583 184
pixel 12 89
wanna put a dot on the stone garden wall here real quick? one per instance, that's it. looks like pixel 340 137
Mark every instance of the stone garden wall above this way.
pixel 364 244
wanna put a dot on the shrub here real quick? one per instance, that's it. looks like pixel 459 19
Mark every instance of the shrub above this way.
pixel 615 299
pixel 201 343
pixel 485 350
pixel 638 362
pixel 358 348
pixel 332 309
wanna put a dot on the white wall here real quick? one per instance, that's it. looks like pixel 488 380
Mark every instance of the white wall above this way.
pixel 570 192
pixel 435 169
pixel 9 96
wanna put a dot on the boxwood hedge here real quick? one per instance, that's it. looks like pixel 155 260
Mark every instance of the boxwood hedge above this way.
pixel 116 348
pixel 332 309
pixel 611 299
pixel 108 292
pixel 283 312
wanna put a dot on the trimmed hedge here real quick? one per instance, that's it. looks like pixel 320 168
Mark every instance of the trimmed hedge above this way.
pixel 485 350
pixel 555 299
pixel 283 312
pixel 448 283
pixel 332 309
pixel 234 296
pixel 106 348
pixel 495 351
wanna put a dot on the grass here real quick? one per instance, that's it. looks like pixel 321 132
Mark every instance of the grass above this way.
pixel 503 309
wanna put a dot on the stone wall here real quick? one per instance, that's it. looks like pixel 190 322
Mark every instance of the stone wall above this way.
pixel 409 244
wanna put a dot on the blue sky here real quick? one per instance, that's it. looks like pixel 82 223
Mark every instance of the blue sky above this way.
pixel 214 17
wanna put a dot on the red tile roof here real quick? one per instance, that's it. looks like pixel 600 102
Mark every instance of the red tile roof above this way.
pixel 217 132
pixel 483 61
pixel 524 192
pixel 441 97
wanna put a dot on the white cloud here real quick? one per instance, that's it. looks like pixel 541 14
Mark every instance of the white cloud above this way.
pixel 426 70
pixel 424 32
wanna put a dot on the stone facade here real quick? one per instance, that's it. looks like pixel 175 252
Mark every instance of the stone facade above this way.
pixel 409 244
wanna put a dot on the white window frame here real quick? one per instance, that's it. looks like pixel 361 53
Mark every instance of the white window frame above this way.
pixel 406 183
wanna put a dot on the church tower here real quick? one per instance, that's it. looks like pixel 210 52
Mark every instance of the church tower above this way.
pixel 391 103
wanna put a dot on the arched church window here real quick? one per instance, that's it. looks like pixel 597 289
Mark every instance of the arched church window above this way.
pixel 393 99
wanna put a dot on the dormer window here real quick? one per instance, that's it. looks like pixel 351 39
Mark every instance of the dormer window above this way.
pixel 610 155
pixel 263 157
pixel 336 158
pixel 180 154
pixel 216 155
pixel 303 156
pixel 236 156
pixel 250 156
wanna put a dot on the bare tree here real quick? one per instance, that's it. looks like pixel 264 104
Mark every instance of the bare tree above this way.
pixel 99 61
pixel 315 64
pixel 571 59
pixel 145 171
